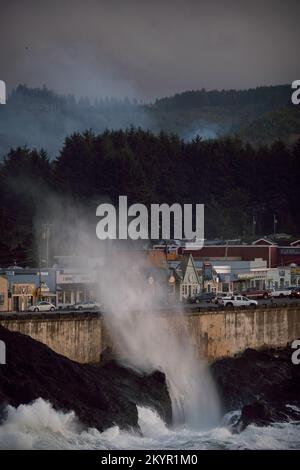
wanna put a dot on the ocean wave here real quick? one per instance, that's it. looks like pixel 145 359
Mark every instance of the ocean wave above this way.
pixel 39 426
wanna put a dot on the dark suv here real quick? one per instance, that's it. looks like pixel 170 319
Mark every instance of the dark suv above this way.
pixel 295 292
pixel 203 297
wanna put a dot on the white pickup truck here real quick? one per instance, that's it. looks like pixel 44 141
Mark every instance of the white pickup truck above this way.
pixel 285 292
pixel 238 301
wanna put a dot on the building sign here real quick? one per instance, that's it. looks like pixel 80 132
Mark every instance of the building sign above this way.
pixel 254 275
pixel 23 289
pixel 76 278
pixel 260 275
pixel 246 276
pixel 290 251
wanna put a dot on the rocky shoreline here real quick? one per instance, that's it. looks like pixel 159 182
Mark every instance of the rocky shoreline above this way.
pixel 264 385
pixel 101 396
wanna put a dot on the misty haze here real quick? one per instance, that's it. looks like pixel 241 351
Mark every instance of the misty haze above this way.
pixel 174 128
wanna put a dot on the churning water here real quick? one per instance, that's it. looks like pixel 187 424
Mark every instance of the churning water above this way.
pixel 39 426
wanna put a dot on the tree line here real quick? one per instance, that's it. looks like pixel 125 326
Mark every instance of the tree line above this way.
pixel 237 182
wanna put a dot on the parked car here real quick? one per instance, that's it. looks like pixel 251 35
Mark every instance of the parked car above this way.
pixel 295 292
pixel 202 297
pixel 65 306
pixel 220 295
pixel 42 306
pixel 238 301
pixel 254 293
pixel 90 305
pixel 285 292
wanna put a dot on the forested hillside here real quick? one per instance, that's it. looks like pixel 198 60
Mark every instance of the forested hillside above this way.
pixel 234 180
pixel 41 118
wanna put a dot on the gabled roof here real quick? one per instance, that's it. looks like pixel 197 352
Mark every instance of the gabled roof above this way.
pixel 186 261
pixel 295 243
pixel 263 241
pixel 179 268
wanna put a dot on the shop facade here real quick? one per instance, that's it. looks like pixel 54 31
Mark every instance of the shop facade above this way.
pixel 74 287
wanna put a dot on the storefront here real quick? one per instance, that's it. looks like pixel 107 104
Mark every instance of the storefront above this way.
pixel 295 276
pixel 27 286
pixel 43 293
pixel 3 294
pixel 75 287
pixel 22 296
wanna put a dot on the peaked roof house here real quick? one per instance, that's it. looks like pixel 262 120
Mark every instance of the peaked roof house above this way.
pixel 184 279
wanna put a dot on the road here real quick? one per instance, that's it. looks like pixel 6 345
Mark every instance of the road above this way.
pixel 176 307
pixel 261 302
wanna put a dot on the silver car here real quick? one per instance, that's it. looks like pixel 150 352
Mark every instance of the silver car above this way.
pixel 89 305
pixel 42 306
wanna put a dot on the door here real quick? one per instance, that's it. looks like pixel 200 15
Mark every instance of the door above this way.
pixel 16 303
pixel 245 301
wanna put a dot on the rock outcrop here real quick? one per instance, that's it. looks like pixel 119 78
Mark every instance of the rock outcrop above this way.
pixel 264 385
pixel 100 396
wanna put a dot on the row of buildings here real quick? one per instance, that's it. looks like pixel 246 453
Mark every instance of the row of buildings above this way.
pixel 171 272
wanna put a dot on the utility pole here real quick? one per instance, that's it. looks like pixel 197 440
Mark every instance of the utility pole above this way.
pixel 40 275
pixel 43 254
pixel 253 225
pixel 46 229
pixel 274 224
pixel 166 250
pixel 226 249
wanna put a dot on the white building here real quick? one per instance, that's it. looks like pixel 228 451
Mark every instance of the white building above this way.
pixel 279 277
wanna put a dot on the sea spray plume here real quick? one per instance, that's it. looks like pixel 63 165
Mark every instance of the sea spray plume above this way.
pixel 147 340
pixel 143 335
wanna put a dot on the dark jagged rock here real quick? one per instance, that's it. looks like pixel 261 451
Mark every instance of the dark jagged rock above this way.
pixel 263 414
pixel 261 384
pixel 100 396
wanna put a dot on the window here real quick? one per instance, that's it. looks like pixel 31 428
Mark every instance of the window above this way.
pixel 67 297
pixel 2 299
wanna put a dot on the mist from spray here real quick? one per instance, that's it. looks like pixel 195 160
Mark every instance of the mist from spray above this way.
pixel 147 340
pixel 144 337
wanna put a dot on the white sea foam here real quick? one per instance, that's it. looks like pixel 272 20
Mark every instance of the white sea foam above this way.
pixel 39 426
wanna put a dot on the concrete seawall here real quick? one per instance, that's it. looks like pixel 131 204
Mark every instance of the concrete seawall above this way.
pixel 77 336
pixel 219 334
pixel 214 334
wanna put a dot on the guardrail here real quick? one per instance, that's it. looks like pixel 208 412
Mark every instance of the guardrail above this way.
pixel 168 309
pixel 48 315
pixel 261 306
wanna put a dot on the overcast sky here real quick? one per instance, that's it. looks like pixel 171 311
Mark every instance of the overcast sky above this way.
pixel 148 48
